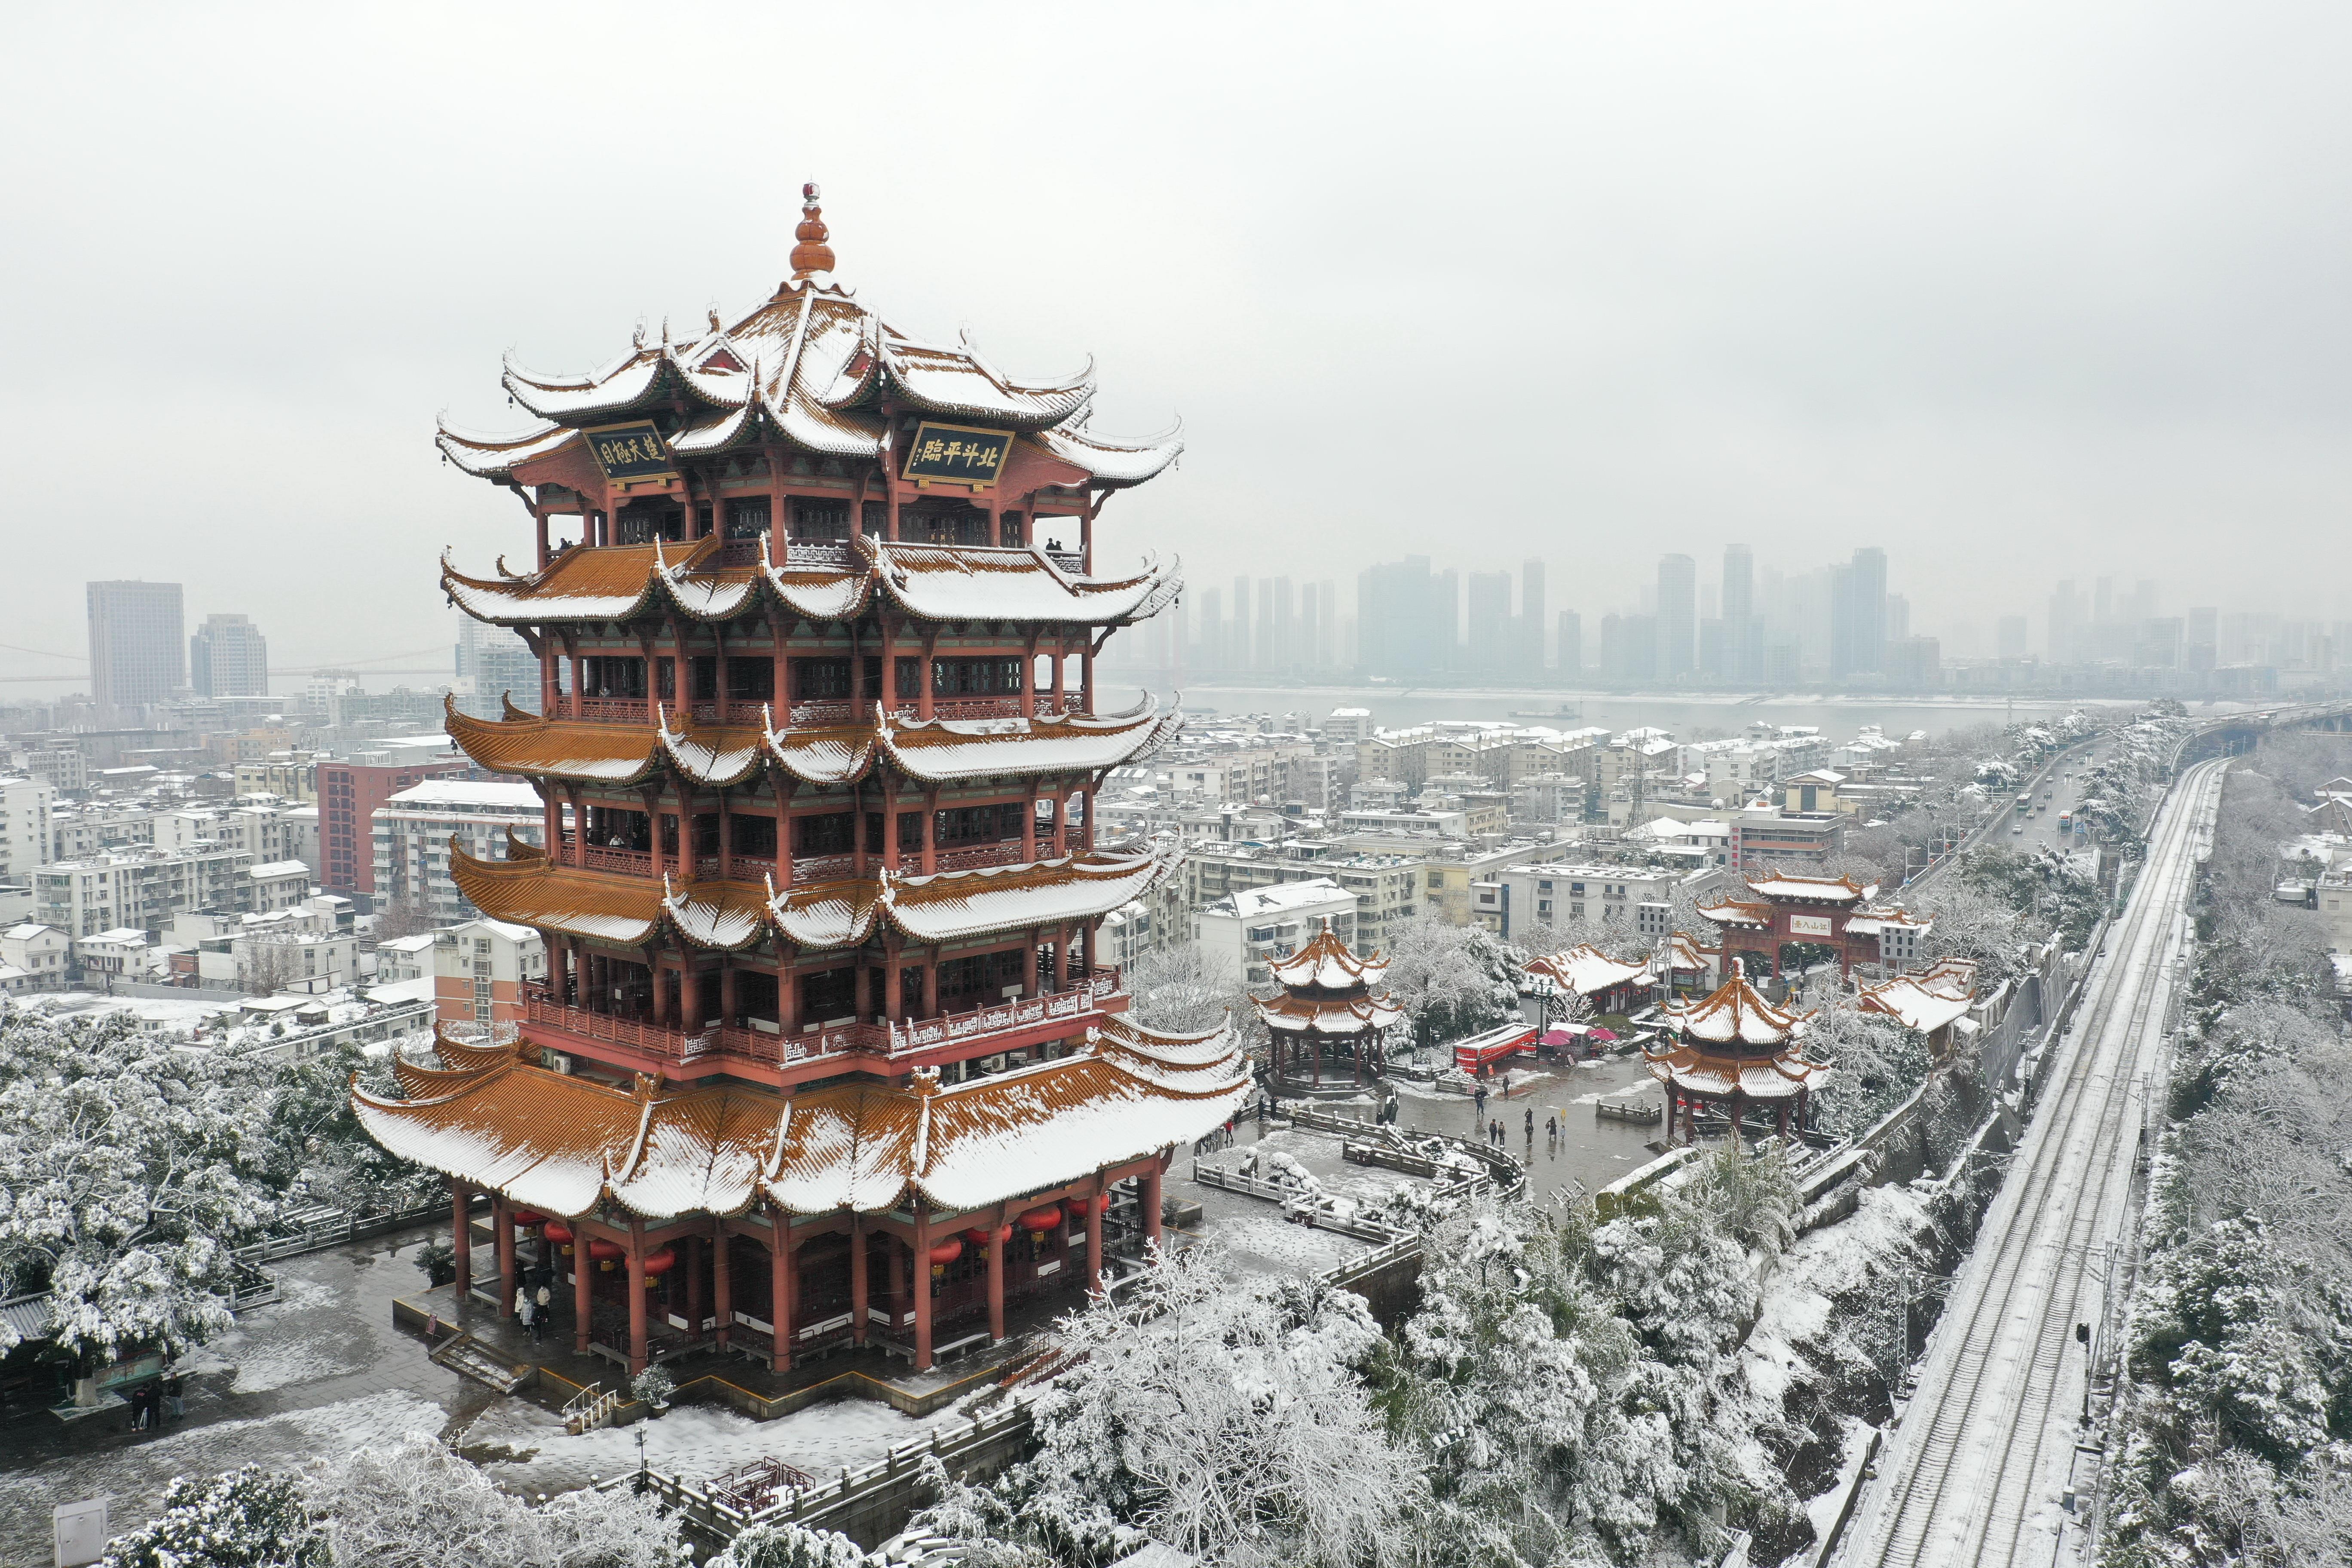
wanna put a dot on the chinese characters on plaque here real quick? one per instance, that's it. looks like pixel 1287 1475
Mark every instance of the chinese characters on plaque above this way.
pixel 629 451
pixel 957 454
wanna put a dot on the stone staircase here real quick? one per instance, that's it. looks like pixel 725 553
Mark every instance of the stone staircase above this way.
pixel 462 1352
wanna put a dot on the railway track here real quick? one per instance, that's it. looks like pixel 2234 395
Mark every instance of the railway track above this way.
pixel 1977 1467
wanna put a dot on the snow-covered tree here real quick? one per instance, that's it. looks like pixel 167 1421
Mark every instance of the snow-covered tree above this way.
pixel 1971 923
pixel 1182 990
pixel 133 1169
pixel 250 1518
pixel 1227 1422
pixel 792 1546
pixel 1559 1383
pixel 1452 981
pixel 414 1504
pixel 1877 1063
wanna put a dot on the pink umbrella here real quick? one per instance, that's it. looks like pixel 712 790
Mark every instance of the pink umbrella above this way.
pixel 1603 1035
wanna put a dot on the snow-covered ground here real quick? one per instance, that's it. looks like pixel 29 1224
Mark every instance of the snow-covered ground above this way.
pixel 526 1449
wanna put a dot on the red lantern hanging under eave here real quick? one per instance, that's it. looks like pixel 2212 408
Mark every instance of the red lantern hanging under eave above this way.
pixel 660 1262
pixel 1077 1206
pixel 1046 1218
pixel 524 1217
pixel 978 1235
pixel 945 1252
pixel 605 1253
pixel 559 1233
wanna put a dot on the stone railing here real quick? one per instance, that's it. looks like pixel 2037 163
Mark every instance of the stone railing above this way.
pixel 838 554
pixel 825 710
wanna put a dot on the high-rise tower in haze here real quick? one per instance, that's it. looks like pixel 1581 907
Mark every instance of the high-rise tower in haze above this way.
pixel 1743 646
pixel 138 644
pixel 228 657
pixel 1677 617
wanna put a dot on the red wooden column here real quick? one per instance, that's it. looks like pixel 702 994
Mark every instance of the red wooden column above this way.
pixel 784 830
pixel 461 1235
pixel 931 832
pixel 1061 651
pixel 502 1229
pixel 996 1242
pixel 1094 1238
pixel 550 682
pixel 690 1250
pixel 583 1300
pixel 922 1262
pixel 636 1298
pixel 689 995
pixel 723 1281
pixel 727 1008
pixel 1147 1190
pixel 923 687
pixel 857 1292
pixel 1029 963
pixel 780 1288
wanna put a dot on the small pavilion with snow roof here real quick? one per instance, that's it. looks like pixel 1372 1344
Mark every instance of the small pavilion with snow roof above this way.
pixel 1331 1007
pixel 1733 1049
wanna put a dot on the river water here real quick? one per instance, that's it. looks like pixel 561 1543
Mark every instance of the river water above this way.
pixel 1686 716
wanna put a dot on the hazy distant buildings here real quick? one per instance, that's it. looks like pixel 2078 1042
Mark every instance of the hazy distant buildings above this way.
pixel 1408 622
pixel 1858 614
pixel 137 646
pixel 228 657
pixel 1677 626
pixel 2012 638
pixel 1571 645
pixel 494 663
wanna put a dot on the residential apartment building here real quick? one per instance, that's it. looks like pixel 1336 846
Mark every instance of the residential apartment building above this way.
pixel 480 967
pixel 1247 928
pixel 63 768
pixel 33 957
pixel 350 794
pixel 1554 893
pixel 140 891
pixel 1389 889
pixel 25 841
pixel 413 829
pixel 1764 839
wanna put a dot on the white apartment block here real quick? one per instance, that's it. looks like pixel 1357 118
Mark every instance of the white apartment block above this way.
pixel 24 826
pixel 140 891
pixel 33 957
pixel 480 968
pixel 1547 893
pixel 413 831
pixel 125 954
pixel 1246 930
pixel 404 958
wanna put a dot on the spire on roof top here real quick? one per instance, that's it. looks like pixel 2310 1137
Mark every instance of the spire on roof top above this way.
pixel 812 255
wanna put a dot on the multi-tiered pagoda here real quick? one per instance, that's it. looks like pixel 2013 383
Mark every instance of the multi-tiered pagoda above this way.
pixel 1732 1049
pixel 817 742
pixel 1331 1010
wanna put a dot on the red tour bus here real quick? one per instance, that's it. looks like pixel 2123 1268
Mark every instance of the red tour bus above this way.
pixel 1480 1052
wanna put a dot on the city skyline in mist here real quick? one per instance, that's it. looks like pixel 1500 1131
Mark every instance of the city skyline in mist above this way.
pixel 2017 296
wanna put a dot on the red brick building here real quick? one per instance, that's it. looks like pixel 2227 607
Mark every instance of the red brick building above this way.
pixel 349 794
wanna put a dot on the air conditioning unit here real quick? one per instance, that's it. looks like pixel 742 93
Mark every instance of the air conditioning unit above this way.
pixel 555 1061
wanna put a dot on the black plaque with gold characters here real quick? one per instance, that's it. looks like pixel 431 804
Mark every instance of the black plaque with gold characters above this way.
pixel 956 454
pixel 630 451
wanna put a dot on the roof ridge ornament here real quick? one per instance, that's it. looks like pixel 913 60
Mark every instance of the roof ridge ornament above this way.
pixel 812 255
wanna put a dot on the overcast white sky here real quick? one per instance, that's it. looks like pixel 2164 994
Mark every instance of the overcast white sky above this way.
pixel 2017 291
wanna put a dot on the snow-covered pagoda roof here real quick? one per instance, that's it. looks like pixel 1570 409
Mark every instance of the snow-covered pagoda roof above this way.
pixel 936 751
pixel 1929 999
pixel 1326 963
pixel 1340 1015
pixel 1735 1044
pixel 709 579
pixel 564 1144
pixel 814 370
pixel 528 889
pixel 1734 1017
pixel 1811 890
pixel 1587 971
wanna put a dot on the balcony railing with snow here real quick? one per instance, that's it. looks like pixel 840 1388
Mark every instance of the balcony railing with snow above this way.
pixel 766 1045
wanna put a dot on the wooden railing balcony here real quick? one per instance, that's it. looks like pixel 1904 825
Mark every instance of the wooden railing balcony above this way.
pixel 767 1044
pixel 827 711
pixel 610 710
pixel 735 711
pixel 836 554
pixel 631 862
pixel 977 856
pixel 822 868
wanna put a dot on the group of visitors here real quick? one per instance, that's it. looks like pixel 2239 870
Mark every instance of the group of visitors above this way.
pixel 157 1400
pixel 531 1305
